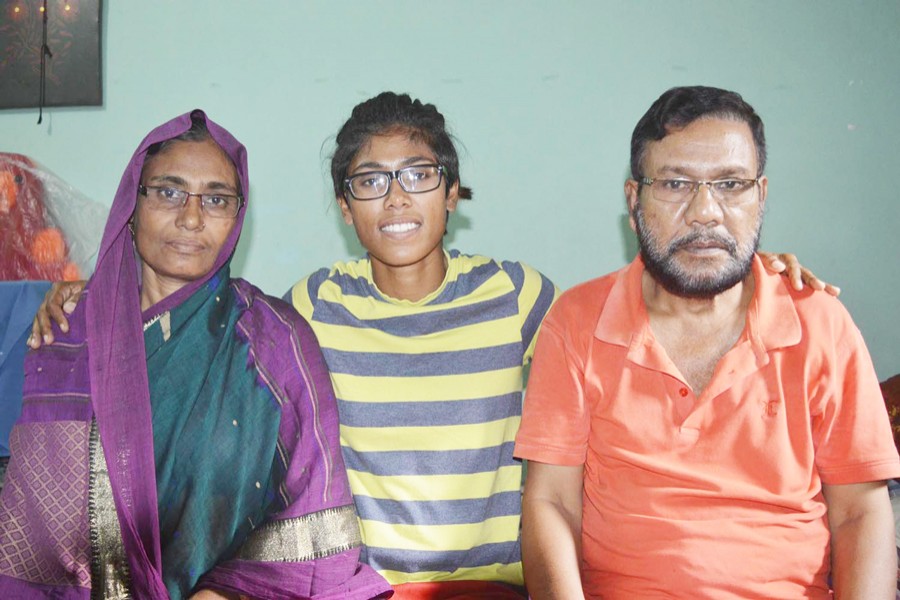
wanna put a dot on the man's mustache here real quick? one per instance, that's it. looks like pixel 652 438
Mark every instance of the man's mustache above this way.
pixel 704 238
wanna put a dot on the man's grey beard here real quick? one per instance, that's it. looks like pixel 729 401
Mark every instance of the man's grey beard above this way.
pixel 663 267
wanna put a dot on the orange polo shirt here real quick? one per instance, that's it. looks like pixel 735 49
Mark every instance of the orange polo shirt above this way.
pixel 711 496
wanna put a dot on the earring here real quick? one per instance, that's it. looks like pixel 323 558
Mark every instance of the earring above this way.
pixel 131 226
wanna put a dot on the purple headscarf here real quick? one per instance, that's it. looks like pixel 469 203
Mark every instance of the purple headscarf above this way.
pixel 118 375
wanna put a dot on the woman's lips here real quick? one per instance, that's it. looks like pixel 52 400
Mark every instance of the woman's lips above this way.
pixel 186 246
pixel 400 227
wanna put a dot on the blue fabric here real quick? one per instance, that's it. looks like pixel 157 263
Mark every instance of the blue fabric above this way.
pixel 18 302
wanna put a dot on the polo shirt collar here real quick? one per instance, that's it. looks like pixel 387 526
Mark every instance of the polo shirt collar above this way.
pixel 772 320
pixel 623 319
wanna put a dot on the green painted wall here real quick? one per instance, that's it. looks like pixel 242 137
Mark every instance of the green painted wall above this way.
pixel 542 96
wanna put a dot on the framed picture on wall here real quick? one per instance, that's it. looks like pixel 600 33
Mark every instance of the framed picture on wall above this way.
pixel 50 58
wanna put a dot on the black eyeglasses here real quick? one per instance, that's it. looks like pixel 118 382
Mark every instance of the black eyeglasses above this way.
pixel 416 179
pixel 220 206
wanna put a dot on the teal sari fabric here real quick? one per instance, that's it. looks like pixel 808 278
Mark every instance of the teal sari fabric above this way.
pixel 201 388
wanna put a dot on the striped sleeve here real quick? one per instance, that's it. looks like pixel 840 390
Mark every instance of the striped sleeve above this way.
pixel 302 293
pixel 536 295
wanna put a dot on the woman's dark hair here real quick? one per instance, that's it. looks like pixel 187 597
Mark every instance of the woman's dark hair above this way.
pixel 681 106
pixel 386 113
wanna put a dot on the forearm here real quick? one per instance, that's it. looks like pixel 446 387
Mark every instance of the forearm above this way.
pixel 864 559
pixel 863 555
pixel 551 551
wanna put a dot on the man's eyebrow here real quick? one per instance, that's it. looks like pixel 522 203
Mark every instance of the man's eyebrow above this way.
pixel 377 166
pixel 724 171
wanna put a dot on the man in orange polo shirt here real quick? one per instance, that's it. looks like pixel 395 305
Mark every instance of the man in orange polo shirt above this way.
pixel 695 427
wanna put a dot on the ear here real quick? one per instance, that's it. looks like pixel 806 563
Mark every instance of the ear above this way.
pixel 345 210
pixel 452 197
pixel 632 191
pixel 763 191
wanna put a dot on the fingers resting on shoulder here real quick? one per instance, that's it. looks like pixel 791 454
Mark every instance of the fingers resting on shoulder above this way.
pixel 798 275
pixel 59 301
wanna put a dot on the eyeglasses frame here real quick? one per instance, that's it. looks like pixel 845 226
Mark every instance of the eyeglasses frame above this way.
pixel 394 176
pixel 142 189
pixel 696 183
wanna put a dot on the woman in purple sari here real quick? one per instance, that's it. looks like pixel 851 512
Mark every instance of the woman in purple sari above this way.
pixel 180 439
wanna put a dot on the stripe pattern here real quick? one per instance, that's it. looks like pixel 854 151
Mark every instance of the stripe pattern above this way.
pixel 430 397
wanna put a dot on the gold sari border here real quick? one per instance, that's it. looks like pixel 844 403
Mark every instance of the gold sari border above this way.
pixel 110 578
pixel 300 539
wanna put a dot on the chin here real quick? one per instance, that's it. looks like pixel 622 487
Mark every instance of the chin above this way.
pixel 703 285
pixel 190 274
pixel 697 278
pixel 406 258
